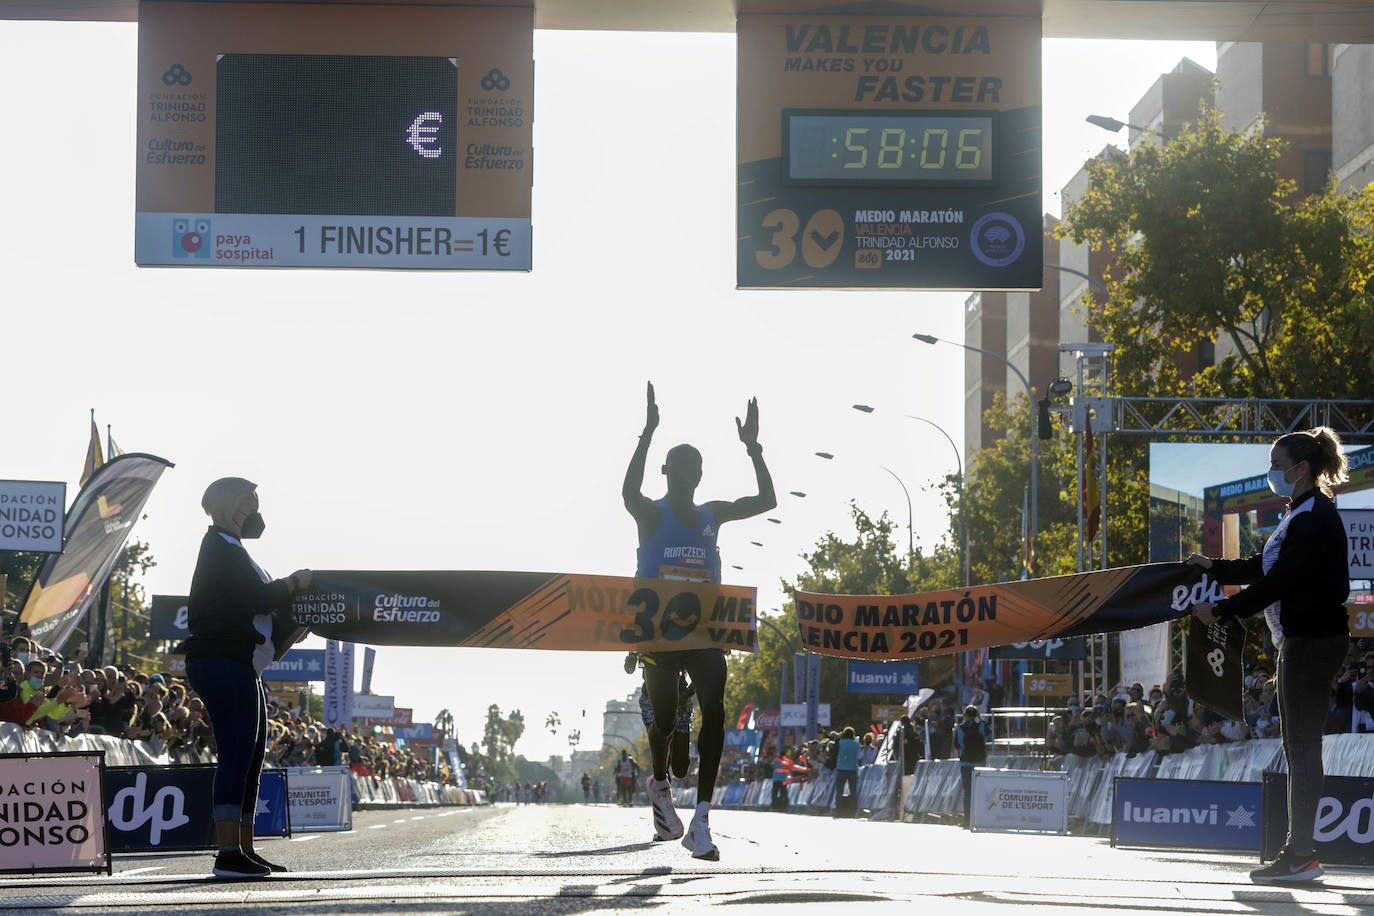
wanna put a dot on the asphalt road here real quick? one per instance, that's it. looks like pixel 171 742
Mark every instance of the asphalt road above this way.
pixel 586 859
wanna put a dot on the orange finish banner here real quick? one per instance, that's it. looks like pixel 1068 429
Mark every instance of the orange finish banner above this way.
pixel 955 620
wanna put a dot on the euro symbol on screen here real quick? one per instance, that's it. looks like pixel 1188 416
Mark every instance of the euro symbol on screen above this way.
pixel 421 136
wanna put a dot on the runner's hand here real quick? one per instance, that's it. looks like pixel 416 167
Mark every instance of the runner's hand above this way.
pixel 1203 612
pixel 651 413
pixel 1198 559
pixel 749 429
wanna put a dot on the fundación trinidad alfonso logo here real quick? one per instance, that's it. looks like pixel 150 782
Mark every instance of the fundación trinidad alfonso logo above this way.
pixel 190 238
pixel 997 239
pixel 176 75
pixel 495 81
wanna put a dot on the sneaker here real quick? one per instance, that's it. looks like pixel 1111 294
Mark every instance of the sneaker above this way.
pixel 698 841
pixel 666 821
pixel 234 864
pixel 261 861
pixel 1288 868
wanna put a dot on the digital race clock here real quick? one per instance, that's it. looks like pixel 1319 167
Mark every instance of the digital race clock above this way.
pixel 898 149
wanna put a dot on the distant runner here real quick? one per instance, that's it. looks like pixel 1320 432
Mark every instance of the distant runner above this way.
pixel 677 540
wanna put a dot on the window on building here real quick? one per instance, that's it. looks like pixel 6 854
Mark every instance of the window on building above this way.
pixel 1316 169
pixel 1319 60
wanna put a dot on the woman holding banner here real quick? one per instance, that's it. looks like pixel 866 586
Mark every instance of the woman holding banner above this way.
pixel 239 620
pixel 1300 581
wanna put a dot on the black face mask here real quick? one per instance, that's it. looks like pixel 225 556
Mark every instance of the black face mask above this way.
pixel 253 526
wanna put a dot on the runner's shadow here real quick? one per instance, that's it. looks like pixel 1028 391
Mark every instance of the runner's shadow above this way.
pixel 607 851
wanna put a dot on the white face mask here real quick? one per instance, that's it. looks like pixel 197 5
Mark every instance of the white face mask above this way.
pixel 1278 484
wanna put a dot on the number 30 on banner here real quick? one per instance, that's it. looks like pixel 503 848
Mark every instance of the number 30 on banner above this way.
pixel 822 239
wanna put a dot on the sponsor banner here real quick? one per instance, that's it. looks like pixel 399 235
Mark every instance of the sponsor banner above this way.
pixel 320 799
pixel 235 168
pixel 297 665
pixel 884 677
pixel 367 706
pixel 886 713
pixel 333 686
pixel 346 652
pixel 165 808
pixel 303 240
pixel 174 664
pixel 527 610
pixel 794 714
pixel 1020 800
pixel 284 699
pixel 813 694
pixel 51 806
pixel 1145 655
pixel 31 515
pixel 1345 819
pixel 744 739
pixel 1047 685
pixel 168 617
pixel 420 731
pixel 97 526
pixel 1195 813
pixel 1359 532
pixel 1062 649
pixel 369 659
pixel 766 719
pixel 1212 666
pixel 938 623
pixel 400 716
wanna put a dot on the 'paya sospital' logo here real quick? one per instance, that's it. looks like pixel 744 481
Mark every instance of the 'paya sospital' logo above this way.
pixel 398 608
pixel 1208 589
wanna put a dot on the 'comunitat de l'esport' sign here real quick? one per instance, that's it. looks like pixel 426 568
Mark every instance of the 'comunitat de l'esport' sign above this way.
pixel 379 136
pixel 884 677
pixel 1015 800
pixel 1193 813
pixel 888 151
pixel 31 515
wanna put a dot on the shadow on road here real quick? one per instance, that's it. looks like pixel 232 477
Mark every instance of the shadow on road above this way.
pixel 606 851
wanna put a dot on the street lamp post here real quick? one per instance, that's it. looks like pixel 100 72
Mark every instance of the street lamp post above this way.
pixel 1113 125
pixel 1032 522
pixel 958 463
pixel 782 688
pixel 910 523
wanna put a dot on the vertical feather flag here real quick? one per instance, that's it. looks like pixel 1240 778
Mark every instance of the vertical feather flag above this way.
pixel 1092 494
pixel 94 456
pixel 112 450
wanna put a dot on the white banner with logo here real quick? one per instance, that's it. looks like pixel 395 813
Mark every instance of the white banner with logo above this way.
pixel 320 799
pixel 1359 533
pixel 32 513
pixel 1145 655
pixel 794 714
pixel 366 706
pixel 52 811
pixel 333 715
pixel 1009 800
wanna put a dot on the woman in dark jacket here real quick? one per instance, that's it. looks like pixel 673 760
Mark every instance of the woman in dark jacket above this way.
pixel 239 620
pixel 1300 582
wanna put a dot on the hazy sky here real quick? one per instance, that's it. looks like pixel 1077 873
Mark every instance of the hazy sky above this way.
pixel 483 421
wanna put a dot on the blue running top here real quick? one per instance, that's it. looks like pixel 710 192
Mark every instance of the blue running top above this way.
pixel 676 552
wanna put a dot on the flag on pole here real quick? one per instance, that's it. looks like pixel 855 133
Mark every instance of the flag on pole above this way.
pixel 111 449
pixel 1092 494
pixel 94 456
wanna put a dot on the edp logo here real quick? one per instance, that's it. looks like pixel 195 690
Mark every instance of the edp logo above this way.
pixel 130 809
pixel 1206 590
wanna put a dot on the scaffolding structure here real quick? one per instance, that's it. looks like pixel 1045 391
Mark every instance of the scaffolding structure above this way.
pixel 1093 407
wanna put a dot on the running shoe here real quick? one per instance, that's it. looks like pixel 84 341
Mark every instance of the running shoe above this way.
pixel 698 841
pixel 666 822
pixel 261 861
pixel 1288 868
pixel 234 864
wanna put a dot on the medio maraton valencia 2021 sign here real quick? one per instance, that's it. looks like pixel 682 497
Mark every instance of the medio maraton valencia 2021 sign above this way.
pixel 941 622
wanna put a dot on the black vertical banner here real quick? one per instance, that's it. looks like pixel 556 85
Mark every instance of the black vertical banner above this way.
pixel 1211 666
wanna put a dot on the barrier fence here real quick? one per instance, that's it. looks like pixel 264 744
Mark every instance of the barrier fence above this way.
pixel 935 789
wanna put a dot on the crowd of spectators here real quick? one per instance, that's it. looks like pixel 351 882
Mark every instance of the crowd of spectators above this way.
pixel 41 690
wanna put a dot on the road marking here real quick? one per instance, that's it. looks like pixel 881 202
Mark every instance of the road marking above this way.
pixel 399 820
pixel 305 839
pixel 138 871
pixel 379 827
pixel 418 818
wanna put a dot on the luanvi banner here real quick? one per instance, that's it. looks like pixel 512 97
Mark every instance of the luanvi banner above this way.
pixel 937 623
pixel 527 610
